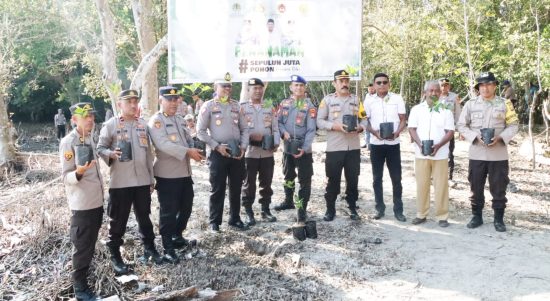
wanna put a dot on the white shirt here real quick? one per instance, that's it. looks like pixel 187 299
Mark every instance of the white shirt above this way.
pixel 431 126
pixel 381 110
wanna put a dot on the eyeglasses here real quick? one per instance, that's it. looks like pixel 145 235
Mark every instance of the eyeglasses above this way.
pixel 380 83
pixel 226 85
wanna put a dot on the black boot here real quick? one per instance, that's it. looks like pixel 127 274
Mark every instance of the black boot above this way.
pixel 266 214
pixel 250 220
pixel 82 292
pixel 499 220
pixel 119 266
pixel 150 253
pixel 353 213
pixel 302 216
pixel 477 219
pixel 288 202
pixel 331 211
pixel 170 256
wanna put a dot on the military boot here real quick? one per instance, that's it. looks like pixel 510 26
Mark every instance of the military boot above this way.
pixel 150 253
pixel 250 220
pixel 82 292
pixel 331 211
pixel 266 214
pixel 353 213
pixel 288 202
pixel 302 216
pixel 499 220
pixel 119 266
pixel 170 256
pixel 477 219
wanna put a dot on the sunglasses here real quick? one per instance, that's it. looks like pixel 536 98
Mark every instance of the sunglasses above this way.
pixel 380 83
pixel 226 86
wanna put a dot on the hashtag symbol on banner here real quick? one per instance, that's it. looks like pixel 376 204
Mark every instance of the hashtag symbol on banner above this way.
pixel 243 66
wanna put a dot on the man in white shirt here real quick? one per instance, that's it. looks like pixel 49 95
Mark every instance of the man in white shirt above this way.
pixel 431 120
pixel 386 111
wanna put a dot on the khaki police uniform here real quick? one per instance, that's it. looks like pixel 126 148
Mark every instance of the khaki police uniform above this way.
pixel 488 161
pixel 172 170
pixel 297 118
pixel 85 197
pixel 260 119
pixel 451 101
pixel 130 181
pixel 343 149
pixel 219 123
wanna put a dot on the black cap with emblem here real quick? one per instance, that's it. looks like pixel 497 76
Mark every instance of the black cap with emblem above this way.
pixel 168 92
pixel 82 109
pixel 255 82
pixel 484 78
pixel 128 94
pixel 340 74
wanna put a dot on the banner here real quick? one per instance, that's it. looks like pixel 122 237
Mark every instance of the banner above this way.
pixel 267 39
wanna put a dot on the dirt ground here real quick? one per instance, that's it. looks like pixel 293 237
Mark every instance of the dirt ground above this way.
pixel 422 262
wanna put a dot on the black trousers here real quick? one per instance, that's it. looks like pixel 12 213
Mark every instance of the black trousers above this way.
pixel 176 203
pixel 391 155
pixel 334 163
pixel 263 168
pixel 118 209
pixel 85 225
pixel 451 158
pixel 222 171
pixel 60 131
pixel 304 165
pixel 498 181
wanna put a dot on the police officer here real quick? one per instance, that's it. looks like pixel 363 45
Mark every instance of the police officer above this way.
pixel 263 127
pixel 297 123
pixel 488 157
pixel 60 124
pixel 124 146
pixel 172 169
pixel 222 126
pixel 84 190
pixel 452 101
pixel 343 143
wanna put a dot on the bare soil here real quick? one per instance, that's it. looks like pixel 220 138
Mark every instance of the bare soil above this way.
pixel 422 262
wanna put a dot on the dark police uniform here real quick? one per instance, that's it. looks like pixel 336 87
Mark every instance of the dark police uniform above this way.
pixel 343 149
pixel 85 197
pixel 260 119
pixel 297 118
pixel 220 122
pixel 492 161
pixel 130 181
pixel 172 169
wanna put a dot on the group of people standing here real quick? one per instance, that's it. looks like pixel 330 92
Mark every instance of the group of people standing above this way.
pixel 243 137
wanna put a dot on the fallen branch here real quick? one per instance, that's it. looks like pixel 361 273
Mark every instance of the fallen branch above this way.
pixel 180 295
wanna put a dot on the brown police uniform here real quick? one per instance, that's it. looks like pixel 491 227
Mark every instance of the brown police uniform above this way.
pixel 130 181
pixel 260 119
pixel 488 161
pixel 343 149
pixel 172 169
pixel 219 123
pixel 85 198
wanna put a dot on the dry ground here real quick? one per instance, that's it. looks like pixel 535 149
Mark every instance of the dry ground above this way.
pixel 423 262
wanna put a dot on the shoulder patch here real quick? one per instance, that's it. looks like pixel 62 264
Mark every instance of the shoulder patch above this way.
pixel 312 113
pixel 157 124
pixel 68 155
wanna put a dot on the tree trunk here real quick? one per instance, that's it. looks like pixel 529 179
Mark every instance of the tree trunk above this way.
pixel 149 61
pixel 7 148
pixel 468 54
pixel 110 73
pixel 546 117
pixel 244 91
pixel 146 35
